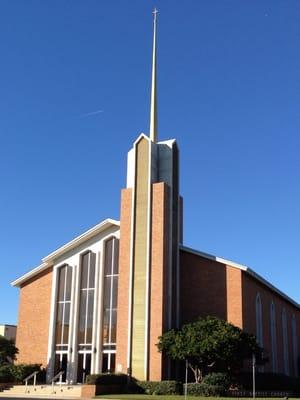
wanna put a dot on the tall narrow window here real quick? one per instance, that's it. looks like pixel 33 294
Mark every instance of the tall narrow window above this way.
pixel 285 342
pixel 273 337
pixel 86 314
pixel 259 325
pixel 295 344
pixel 111 272
pixel 63 304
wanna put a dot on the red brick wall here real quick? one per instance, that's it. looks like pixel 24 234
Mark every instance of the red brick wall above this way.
pixel 158 278
pixel 202 287
pixel 251 287
pixel 209 287
pixel 234 296
pixel 124 279
pixel 33 324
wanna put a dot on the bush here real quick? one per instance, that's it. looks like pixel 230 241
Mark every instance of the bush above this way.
pixel 21 371
pixel 160 388
pixel 107 379
pixel 204 389
pixel 217 379
pixel 6 375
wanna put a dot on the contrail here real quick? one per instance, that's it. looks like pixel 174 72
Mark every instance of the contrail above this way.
pixel 91 113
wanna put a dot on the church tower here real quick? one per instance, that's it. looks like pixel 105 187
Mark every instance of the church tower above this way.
pixel 150 233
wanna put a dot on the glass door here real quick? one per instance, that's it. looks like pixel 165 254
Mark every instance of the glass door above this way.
pixel 61 364
pixel 84 366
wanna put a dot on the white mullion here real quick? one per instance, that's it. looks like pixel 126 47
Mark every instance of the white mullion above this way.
pixel 111 290
pixel 101 308
pixel 95 322
pixel 64 305
pixel 87 300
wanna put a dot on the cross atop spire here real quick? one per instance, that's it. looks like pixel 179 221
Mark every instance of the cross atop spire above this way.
pixel 153 107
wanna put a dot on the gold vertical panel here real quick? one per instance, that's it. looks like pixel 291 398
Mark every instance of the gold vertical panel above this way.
pixel 141 253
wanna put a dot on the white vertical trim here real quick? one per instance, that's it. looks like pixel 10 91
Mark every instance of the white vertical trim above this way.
pixel 95 354
pixel 70 372
pixel 50 361
pixel 130 300
pixel 98 312
pixel 76 316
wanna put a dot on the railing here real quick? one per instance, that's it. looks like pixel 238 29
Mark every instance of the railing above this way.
pixel 33 375
pixel 55 378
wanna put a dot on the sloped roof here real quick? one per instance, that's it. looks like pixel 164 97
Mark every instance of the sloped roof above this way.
pixel 243 268
pixel 48 260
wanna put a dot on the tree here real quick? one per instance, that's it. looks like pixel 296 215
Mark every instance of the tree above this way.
pixel 8 350
pixel 209 344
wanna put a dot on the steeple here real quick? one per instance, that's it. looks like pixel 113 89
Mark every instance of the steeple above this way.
pixel 153 106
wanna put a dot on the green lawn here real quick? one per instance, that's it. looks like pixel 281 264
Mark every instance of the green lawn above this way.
pixel 152 397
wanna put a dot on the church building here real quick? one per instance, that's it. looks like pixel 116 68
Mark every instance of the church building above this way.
pixel 99 302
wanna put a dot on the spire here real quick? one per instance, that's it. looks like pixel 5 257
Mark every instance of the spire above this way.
pixel 153 109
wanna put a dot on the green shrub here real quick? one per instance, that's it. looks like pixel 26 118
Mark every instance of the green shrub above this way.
pixel 6 375
pixel 204 389
pixel 217 379
pixel 160 388
pixel 21 371
pixel 107 379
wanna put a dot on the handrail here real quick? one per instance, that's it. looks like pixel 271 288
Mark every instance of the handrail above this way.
pixel 33 375
pixel 59 375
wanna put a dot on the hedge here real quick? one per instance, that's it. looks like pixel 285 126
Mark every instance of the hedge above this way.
pixel 160 388
pixel 131 385
pixel 6 375
pixel 217 379
pixel 204 389
pixel 21 371
pixel 107 379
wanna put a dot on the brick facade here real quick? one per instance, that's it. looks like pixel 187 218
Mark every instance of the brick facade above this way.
pixel 250 289
pixel 158 281
pixel 33 321
pixel 124 281
pixel 210 287
pixel 202 288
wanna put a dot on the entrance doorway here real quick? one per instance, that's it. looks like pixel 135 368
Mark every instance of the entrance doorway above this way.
pixel 84 366
pixel 108 361
pixel 61 364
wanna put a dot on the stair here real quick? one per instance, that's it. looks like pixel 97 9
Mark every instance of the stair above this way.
pixel 47 391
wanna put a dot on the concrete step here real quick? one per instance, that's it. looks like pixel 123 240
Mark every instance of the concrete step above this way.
pixel 47 391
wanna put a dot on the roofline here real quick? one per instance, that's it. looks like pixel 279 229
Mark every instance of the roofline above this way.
pixel 12 326
pixel 29 274
pixel 81 238
pixel 242 268
pixel 48 260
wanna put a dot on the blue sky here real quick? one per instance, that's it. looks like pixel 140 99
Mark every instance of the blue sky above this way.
pixel 229 92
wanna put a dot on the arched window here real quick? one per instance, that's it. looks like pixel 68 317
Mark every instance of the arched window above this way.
pixel 259 325
pixel 295 344
pixel 285 342
pixel 273 337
